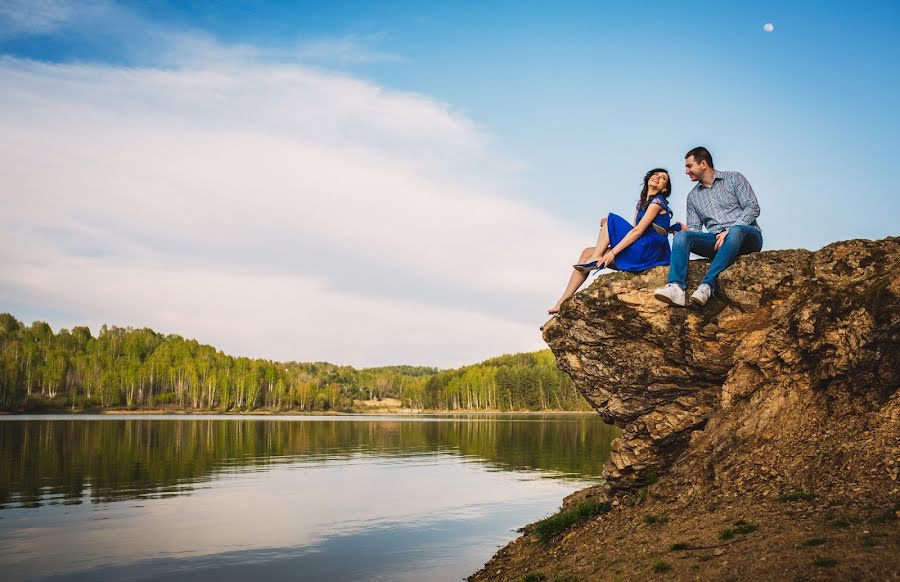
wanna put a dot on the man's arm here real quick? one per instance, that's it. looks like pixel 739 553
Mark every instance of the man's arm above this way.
pixel 693 217
pixel 747 199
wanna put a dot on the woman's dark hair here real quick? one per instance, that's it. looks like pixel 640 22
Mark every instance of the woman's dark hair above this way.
pixel 643 202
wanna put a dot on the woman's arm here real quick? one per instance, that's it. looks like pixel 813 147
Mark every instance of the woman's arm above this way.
pixel 633 234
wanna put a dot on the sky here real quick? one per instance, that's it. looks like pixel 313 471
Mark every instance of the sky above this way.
pixel 375 183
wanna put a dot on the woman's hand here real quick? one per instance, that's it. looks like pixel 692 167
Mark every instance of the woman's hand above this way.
pixel 607 259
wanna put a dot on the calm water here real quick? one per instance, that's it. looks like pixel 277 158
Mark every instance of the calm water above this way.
pixel 310 498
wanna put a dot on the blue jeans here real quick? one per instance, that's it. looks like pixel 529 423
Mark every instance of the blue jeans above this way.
pixel 740 240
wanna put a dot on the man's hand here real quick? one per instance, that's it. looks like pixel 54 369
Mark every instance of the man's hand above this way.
pixel 720 238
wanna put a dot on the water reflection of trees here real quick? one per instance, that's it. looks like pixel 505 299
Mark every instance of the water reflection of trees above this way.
pixel 69 461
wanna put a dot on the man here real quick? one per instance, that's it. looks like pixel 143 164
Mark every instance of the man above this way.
pixel 723 203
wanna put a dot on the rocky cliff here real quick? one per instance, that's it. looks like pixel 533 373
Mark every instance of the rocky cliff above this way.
pixel 784 387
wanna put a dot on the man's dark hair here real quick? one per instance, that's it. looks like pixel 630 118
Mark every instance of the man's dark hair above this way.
pixel 701 154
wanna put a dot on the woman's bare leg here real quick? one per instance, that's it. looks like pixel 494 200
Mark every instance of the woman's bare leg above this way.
pixel 575 281
pixel 602 243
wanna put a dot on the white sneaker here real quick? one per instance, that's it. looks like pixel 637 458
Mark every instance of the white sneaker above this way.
pixel 701 295
pixel 671 294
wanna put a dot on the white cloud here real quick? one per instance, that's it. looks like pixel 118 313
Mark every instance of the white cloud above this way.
pixel 271 210
pixel 347 49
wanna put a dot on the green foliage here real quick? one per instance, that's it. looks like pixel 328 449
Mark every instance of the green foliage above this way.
pixel 534 577
pixel 661 566
pixel 794 496
pixel 679 546
pixel 889 515
pixel 814 542
pixel 825 562
pixel 740 528
pixel 651 519
pixel 548 528
pixel 139 368
pixel 870 540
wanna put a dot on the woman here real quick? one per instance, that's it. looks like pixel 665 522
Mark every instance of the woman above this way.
pixel 629 247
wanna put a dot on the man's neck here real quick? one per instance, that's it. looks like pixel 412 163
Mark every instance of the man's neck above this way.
pixel 708 179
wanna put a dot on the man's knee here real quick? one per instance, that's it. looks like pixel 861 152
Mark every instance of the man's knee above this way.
pixel 738 233
pixel 681 239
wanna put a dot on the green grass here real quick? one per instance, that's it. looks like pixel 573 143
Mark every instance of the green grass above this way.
pixel 550 527
pixel 534 577
pixel 651 519
pixel 651 478
pixel 825 562
pixel 889 515
pixel 794 496
pixel 839 523
pixel 814 542
pixel 661 566
pixel 740 528
pixel 870 540
pixel 679 546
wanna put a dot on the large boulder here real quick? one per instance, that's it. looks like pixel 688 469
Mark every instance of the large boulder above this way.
pixel 799 351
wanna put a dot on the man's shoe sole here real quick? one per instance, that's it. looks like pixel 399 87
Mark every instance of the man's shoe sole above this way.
pixel 697 302
pixel 666 299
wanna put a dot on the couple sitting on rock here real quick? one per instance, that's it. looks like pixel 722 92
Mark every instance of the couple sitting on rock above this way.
pixel 722 202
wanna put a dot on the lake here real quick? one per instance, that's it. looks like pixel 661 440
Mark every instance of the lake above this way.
pixel 166 497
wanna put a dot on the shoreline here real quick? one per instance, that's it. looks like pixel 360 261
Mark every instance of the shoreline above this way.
pixel 376 412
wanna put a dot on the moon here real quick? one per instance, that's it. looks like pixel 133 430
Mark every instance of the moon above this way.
pixel 768 27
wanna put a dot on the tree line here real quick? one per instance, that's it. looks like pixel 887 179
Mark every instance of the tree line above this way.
pixel 140 368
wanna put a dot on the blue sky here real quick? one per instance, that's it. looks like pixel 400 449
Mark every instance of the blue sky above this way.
pixel 504 130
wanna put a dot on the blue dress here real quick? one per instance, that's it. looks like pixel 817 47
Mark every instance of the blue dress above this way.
pixel 651 250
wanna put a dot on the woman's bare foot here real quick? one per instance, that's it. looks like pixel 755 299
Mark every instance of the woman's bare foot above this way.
pixel 553 310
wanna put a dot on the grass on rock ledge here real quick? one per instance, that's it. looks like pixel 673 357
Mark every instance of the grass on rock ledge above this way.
pixel 550 527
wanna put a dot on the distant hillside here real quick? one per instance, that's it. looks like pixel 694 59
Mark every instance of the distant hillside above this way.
pixel 142 369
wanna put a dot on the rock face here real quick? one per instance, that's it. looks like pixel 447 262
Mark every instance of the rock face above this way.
pixel 787 379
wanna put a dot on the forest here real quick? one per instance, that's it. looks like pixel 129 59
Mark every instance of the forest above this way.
pixel 134 369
